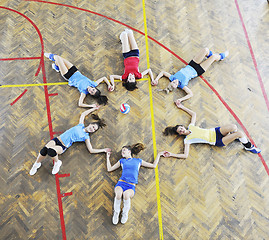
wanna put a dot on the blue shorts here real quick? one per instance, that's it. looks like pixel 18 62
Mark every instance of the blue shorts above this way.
pixel 58 143
pixel 219 137
pixel 132 53
pixel 125 186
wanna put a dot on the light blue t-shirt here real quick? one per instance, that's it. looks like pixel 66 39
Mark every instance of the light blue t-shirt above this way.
pixel 130 169
pixel 81 82
pixel 74 134
pixel 184 75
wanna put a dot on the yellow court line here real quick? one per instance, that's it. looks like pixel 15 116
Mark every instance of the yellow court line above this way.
pixel 34 85
pixel 50 84
pixel 153 130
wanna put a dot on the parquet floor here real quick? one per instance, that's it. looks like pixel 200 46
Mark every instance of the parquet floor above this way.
pixel 216 193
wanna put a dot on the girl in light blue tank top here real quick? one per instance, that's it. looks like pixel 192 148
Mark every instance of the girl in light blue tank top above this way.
pixel 82 83
pixel 78 133
pixel 196 67
pixel 126 185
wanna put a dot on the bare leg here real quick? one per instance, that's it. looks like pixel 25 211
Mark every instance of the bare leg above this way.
pixel 40 158
pixel 117 202
pixel 127 195
pixel 125 42
pixel 201 55
pixel 63 64
pixel 231 128
pixel 132 40
pixel 207 63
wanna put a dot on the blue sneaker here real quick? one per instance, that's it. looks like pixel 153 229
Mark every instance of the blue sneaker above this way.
pixel 210 54
pixel 253 149
pixel 223 55
pixel 50 56
pixel 55 67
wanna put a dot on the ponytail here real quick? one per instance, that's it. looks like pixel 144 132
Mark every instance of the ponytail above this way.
pixel 101 99
pixel 100 122
pixel 135 148
pixel 171 130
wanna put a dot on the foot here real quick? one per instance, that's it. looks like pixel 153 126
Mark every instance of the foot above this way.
pixel 209 54
pixel 253 149
pixel 115 218
pixel 55 67
pixel 34 168
pixel 124 218
pixel 121 35
pixel 223 55
pixel 128 30
pixel 56 167
pixel 50 56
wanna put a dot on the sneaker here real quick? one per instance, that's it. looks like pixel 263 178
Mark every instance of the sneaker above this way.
pixel 224 55
pixel 56 167
pixel 55 67
pixel 122 34
pixel 128 30
pixel 124 218
pixel 50 56
pixel 34 168
pixel 115 218
pixel 253 149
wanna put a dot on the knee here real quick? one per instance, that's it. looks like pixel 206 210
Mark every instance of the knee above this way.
pixel 206 51
pixel 44 151
pixel 126 195
pixel 52 152
pixel 233 128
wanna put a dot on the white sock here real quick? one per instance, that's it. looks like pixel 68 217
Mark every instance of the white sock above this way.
pixel 117 203
pixel 243 140
pixel 126 205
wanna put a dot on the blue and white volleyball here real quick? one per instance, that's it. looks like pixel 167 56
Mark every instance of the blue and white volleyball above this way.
pixel 125 108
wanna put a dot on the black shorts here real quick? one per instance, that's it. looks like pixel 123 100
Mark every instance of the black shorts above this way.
pixel 70 72
pixel 197 67
pixel 58 142
pixel 132 53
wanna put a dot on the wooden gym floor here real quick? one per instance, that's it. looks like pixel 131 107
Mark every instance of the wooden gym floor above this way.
pixel 217 193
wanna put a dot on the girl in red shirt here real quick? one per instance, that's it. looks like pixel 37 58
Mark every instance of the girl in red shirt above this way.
pixel 131 61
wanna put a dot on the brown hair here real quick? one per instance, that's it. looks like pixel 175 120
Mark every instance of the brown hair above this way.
pixel 172 130
pixel 135 148
pixel 100 122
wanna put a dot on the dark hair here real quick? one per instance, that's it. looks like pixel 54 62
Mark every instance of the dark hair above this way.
pixel 135 148
pixel 171 130
pixel 130 86
pixel 100 122
pixel 101 99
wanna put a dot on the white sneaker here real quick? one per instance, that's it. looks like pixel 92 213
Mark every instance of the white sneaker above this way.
pixel 128 30
pixel 115 218
pixel 56 167
pixel 122 34
pixel 124 218
pixel 34 168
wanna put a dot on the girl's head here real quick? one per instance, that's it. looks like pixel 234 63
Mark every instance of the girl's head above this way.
pixel 94 126
pixel 127 151
pixel 130 83
pixel 171 86
pixel 95 92
pixel 176 130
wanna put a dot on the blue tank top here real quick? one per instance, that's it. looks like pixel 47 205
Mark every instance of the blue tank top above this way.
pixel 184 75
pixel 130 169
pixel 74 134
pixel 81 82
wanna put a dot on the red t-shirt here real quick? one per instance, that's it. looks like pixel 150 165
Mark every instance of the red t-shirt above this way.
pixel 131 66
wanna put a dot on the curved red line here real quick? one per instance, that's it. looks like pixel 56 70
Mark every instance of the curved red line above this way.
pixel 42 66
pixel 182 60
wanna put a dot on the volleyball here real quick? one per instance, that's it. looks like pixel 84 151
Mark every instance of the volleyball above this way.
pixel 125 108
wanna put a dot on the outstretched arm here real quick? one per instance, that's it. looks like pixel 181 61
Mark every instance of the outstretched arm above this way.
pixel 108 163
pixel 92 150
pixel 109 85
pixel 148 71
pixel 81 104
pixel 113 77
pixel 87 112
pixel 161 74
pixel 155 163
pixel 180 155
pixel 190 112
pixel 189 95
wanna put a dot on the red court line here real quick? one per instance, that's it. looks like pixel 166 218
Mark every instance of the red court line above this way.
pixel 64 175
pixel 53 94
pixel 252 55
pixel 24 58
pixel 170 51
pixel 66 194
pixel 42 66
pixel 18 97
